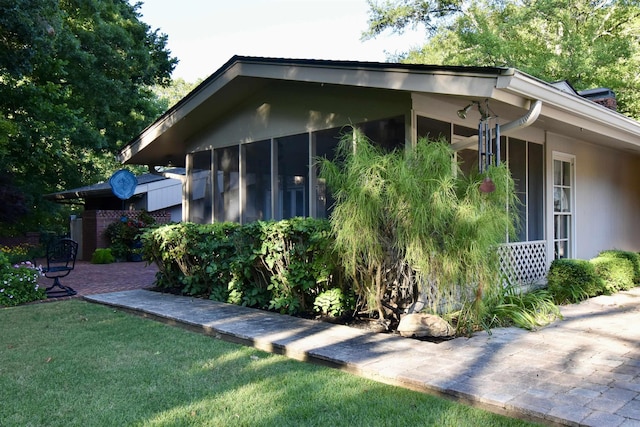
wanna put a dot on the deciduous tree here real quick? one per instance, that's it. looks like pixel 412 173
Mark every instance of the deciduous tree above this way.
pixel 75 85
pixel 590 43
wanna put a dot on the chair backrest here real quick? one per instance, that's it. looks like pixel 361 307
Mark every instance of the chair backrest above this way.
pixel 62 252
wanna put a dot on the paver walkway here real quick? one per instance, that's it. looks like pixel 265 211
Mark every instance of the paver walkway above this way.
pixel 584 370
pixel 88 279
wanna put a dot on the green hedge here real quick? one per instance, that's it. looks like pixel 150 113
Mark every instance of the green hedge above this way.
pixel 633 257
pixel 616 272
pixel 278 265
pixel 573 280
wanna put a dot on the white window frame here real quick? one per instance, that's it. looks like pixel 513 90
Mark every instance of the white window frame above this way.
pixel 571 239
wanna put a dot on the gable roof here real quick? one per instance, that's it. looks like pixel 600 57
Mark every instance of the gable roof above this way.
pixel 163 142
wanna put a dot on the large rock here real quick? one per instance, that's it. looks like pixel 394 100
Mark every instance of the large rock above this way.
pixel 424 325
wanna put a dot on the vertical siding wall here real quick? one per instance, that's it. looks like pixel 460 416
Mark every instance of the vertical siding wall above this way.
pixel 285 109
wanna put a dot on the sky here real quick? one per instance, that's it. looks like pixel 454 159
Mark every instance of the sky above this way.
pixel 205 34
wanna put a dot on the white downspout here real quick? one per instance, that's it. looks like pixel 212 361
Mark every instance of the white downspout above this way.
pixel 507 128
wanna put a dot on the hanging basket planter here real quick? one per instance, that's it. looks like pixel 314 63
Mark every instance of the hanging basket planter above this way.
pixel 487 186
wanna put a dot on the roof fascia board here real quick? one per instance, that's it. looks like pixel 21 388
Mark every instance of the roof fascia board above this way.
pixel 572 109
pixel 178 112
pixel 443 81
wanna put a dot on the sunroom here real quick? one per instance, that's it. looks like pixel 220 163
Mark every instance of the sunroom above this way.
pixel 249 134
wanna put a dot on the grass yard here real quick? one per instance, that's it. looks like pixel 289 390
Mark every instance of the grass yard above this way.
pixel 71 363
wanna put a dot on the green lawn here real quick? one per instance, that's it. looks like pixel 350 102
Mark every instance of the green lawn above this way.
pixel 71 363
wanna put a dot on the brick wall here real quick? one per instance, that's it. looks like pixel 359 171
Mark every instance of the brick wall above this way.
pixel 95 222
pixel 32 239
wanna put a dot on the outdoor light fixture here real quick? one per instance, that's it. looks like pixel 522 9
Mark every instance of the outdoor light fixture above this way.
pixel 463 113
pixel 485 111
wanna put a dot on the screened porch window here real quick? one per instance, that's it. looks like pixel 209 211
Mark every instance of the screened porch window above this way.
pixel 388 134
pixel 200 201
pixel 526 163
pixel 325 143
pixel 227 184
pixel 293 175
pixel 257 181
pixel 270 179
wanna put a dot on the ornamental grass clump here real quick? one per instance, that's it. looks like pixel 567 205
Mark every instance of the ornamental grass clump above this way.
pixel 411 230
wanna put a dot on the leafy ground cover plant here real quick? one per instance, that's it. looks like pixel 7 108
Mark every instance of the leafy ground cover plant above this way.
pixel 527 310
pixel 19 282
pixel 510 305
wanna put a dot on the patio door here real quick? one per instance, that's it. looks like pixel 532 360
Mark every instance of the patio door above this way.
pixel 563 205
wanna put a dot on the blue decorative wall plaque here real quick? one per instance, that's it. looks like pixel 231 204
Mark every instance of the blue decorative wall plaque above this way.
pixel 123 184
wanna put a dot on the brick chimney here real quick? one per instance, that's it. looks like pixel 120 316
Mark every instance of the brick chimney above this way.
pixel 602 96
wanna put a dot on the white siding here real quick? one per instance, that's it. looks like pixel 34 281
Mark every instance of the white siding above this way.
pixel 607 196
pixel 164 196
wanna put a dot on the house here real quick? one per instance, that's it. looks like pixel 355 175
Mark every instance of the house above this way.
pixel 153 192
pixel 158 193
pixel 248 134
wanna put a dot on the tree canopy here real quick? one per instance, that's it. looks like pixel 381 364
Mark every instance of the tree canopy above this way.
pixel 76 81
pixel 589 43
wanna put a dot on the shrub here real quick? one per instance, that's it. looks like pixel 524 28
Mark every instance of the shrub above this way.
pixel 616 272
pixel 633 257
pixel 281 265
pixel 409 225
pixel 102 256
pixel 333 302
pixel 192 257
pixel 296 255
pixel 124 235
pixel 22 252
pixel 573 280
pixel 19 283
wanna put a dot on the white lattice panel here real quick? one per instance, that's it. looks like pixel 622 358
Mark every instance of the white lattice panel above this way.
pixel 524 263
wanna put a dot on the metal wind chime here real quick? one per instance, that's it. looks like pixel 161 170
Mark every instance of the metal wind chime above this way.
pixel 488 142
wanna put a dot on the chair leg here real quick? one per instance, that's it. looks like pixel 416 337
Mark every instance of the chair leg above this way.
pixel 65 291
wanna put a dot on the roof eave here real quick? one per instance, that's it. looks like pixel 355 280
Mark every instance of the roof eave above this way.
pixel 574 109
